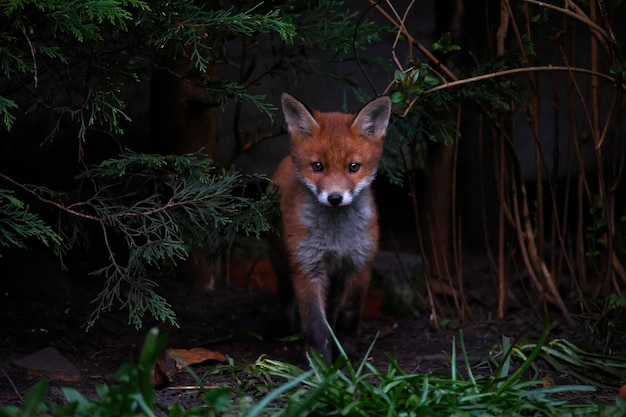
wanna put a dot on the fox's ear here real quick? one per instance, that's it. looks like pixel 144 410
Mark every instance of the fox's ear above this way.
pixel 300 122
pixel 371 122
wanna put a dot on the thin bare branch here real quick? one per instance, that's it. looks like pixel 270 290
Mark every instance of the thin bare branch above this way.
pixel 412 41
pixel 575 12
pixel 512 71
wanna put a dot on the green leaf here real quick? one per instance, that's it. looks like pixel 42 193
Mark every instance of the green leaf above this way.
pixel 6 105
pixel 34 401
pixel 445 45
pixel 17 224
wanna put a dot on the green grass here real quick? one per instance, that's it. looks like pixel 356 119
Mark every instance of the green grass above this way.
pixel 340 389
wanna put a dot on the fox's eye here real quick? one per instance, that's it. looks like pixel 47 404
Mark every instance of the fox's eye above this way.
pixel 354 167
pixel 317 166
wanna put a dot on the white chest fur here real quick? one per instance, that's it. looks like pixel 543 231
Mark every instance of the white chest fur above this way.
pixel 338 242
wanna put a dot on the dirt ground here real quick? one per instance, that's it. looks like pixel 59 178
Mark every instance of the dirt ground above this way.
pixel 232 322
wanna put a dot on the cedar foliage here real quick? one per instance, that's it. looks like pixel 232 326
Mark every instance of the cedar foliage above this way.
pixel 72 60
pixel 65 67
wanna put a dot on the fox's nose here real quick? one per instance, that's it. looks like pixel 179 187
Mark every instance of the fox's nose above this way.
pixel 334 199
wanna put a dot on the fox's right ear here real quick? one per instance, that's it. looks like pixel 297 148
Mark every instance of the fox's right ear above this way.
pixel 299 120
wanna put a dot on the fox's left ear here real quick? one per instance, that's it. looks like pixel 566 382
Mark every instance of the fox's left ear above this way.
pixel 372 121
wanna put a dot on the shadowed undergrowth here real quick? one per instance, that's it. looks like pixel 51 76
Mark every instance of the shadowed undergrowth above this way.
pixel 344 388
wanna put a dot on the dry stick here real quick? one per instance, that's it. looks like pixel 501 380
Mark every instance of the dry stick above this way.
pixel 599 161
pixel 502 290
pixel 520 236
pixel 609 115
pixel 483 211
pixel 621 154
pixel 519 71
pixel 537 252
pixel 192 387
pixel 540 163
pixel 33 52
pixel 558 232
pixel 552 290
pixel 505 18
pixel 619 269
pixel 399 24
pixel 14 387
pixel 564 233
pixel 518 36
pixel 457 241
pixel 72 212
pixel 583 102
pixel 607 23
pixel 438 252
pixel 607 212
pixel 47 201
pixel 436 255
pixel 401 30
pixel 505 73
pixel 238 104
pixel 581 183
pixel 594 67
pixel 615 263
pixel 405 273
pixel 529 255
pixel 503 28
pixel 413 41
pixel 582 189
pixel 537 259
pixel 556 257
pixel 426 267
pixel 600 34
pixel 509 72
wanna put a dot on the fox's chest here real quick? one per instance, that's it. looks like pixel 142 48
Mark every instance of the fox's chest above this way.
pixel 339 241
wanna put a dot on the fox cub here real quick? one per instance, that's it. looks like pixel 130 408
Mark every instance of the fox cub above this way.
pixel 329 219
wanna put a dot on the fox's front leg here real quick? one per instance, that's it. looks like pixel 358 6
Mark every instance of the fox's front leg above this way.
pixel 310 295
pixel 351 303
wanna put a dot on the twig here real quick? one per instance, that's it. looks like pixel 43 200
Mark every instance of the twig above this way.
pixel 13 385
pixel 401 30
pixel 65 209
pixel 32 51
pixel 192 387
pixel 48 201
pixel 504 73
pixel 600 34
pixel 502 281
pixel 356 52
pixel 413 41
pixel 457 226
pixel 618 268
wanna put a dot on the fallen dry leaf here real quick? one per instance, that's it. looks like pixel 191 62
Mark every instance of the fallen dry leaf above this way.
pixel 548 381
pixel 196 355
pixel 385 331
pixel 163 370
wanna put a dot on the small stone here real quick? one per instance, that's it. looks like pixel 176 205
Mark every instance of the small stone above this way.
pixel 49 363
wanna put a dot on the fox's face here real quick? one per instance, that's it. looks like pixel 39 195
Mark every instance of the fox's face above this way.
pixel 336 154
